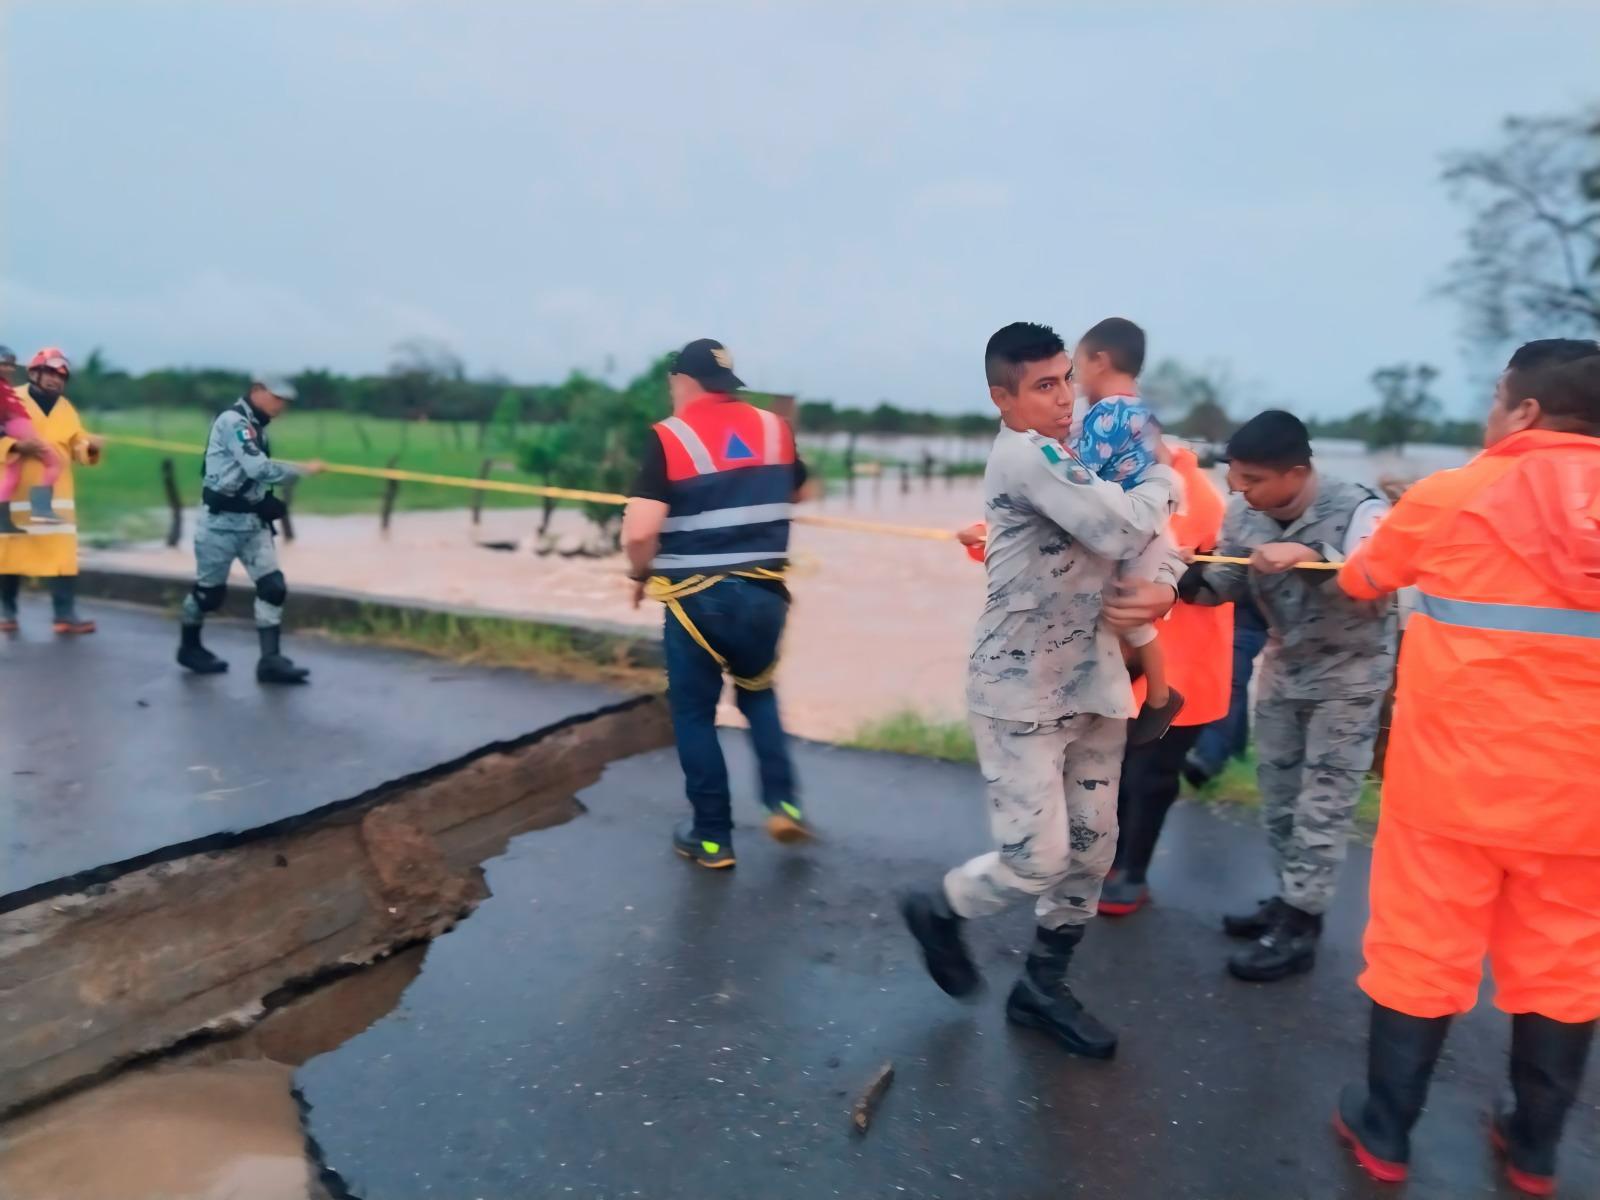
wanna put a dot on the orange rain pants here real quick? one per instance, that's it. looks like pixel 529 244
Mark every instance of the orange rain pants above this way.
pixel 1439 905
pixel 1490 836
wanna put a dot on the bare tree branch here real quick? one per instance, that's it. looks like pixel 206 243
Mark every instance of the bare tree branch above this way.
pixel 1532 260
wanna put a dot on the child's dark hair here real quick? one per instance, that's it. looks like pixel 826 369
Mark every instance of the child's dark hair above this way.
pixel 1121 340
pixel 1014 347
pixel 1274 439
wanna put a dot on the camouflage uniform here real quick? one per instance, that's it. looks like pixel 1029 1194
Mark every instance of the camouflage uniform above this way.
pixel 1046 685
pixel 1327 664
pixel 238 464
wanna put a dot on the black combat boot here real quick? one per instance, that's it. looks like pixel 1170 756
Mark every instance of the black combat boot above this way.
pixel 1376 1120
pixel 197 658
pixel 1252 925
pixel 274 666
pixel 937 928
pixel 1042 999
pixel 1288 947
pixel 1547 1061
pixel 7 525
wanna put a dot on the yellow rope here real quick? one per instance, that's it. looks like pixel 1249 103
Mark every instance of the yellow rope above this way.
pixel 855 526
pixel 671 591
pixel 530 489
pixel 1245 562
pixel 848 524
pixel 455 481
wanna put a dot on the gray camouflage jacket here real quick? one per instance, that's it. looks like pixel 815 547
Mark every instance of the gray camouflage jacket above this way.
pixel 1056 535
pixel 1321 644
pixel 239 463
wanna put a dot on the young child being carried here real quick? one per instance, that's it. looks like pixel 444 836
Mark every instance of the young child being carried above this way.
pixel 16 424
pixel 1117 441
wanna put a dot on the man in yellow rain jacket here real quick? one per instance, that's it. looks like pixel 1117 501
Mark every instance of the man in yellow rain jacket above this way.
pixel 46 550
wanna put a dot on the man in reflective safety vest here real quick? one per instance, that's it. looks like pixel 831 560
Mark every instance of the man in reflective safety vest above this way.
pixel 1489 842
pixel 706 532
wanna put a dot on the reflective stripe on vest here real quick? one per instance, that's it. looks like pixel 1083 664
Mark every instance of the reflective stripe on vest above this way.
pixel 692 445
pixel 684 562
pixel 724 518
pixel 771 436
pixel 728 517
pixel 1511 618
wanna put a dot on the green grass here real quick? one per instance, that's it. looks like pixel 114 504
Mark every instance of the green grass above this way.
pixel 496 642
pixel 911 732
pixel 114 499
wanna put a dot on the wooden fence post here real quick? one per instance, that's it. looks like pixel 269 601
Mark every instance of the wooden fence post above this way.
pixel 390 490
pixel 477 497
pixel 169 481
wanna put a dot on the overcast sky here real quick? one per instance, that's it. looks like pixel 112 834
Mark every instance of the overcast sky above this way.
pixel 852 196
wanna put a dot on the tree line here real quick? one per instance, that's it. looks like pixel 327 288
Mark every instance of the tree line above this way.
pixel 426 381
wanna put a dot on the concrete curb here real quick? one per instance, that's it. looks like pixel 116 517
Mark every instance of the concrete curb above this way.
pixel 310 607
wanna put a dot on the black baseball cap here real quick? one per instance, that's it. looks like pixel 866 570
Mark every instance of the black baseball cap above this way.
pixel 708 363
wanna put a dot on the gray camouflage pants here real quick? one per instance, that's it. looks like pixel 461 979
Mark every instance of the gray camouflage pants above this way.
pixel 1053 813
pixel 1312 758
pixel 214 552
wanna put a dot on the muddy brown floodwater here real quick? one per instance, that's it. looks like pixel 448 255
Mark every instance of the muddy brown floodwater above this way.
pixel 880 624
pixel 212 1123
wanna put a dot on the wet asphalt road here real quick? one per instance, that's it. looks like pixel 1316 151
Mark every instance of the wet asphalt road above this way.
pixel 110 752
pixel 614 1023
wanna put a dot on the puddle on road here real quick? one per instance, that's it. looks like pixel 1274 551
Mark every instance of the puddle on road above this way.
pixel 213 1123
pixel 178 1133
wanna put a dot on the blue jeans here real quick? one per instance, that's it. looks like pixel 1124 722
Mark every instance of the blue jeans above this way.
pixel 1230 737
pixel 744 621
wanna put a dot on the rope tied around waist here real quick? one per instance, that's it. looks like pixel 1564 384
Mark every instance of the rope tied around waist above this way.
pixel 671 593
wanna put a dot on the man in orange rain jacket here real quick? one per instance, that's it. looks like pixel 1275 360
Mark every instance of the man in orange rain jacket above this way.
pixel 1490 836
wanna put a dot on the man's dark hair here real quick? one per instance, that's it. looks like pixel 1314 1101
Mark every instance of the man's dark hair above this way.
pixel 1122 341
pixel 1551 352
pixel 1569 394
pixel 1274 438
pixel 1529 367
pixel 1014 347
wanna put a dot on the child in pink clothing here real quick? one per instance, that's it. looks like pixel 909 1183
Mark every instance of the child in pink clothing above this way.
pixel 17 425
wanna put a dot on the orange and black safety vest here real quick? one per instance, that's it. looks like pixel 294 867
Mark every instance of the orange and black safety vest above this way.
pixel 731 484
